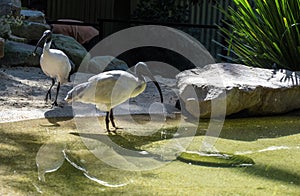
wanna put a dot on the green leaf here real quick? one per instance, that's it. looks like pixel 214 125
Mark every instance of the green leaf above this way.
pixel 265 34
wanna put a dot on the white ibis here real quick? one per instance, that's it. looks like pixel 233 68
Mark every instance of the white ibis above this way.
pixel 55 64
pixel 109 89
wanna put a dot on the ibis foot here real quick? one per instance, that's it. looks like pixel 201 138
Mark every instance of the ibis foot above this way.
pixel 54 103
pixel 116 128
pixel 110 132
pixel 113 131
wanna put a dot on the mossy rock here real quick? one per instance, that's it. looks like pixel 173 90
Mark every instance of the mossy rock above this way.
pixel 215 159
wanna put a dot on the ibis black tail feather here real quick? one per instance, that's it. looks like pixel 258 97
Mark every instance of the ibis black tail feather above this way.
pixel 73 70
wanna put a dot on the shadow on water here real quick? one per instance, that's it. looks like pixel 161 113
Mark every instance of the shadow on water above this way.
pixel 17 152
pixel 19 142
pixel 109 139
pixel 254 128
pixel 119 142
pixel 242 129
pixel 273 173
pixel 131 141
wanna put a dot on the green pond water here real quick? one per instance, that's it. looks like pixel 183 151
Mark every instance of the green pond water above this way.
pixel 61 157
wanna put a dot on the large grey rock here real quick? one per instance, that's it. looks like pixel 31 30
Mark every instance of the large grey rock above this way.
pixel 75 51
pixel 16 54
pixel 224 89
pixel 8 7
pixel 4 30
pixel 31 31
pixel 33 16
pixel 100 64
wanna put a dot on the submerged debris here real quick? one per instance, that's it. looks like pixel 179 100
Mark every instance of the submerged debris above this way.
pixel 215 159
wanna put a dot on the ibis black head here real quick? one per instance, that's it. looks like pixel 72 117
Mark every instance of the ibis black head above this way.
pixel 46 38
pixel 141 70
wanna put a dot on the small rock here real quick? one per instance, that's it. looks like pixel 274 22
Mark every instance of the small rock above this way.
pixel 33 16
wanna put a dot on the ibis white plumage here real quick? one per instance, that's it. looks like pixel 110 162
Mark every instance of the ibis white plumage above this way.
pixel 109 89
pixel 54 63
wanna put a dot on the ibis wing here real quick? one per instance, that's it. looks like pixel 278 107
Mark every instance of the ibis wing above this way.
pixel 116 74
pixel 113 87
pixel 103 85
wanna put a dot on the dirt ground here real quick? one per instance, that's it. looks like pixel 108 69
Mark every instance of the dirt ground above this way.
pixel 23 90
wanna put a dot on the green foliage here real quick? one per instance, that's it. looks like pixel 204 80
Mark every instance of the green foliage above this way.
pixel 6 22
pixel 165 10
pixel 266 34
pixel 200 2
pixel 161 11
pixel 11 20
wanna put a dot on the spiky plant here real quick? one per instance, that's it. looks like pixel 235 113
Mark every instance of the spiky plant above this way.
pixel 265 33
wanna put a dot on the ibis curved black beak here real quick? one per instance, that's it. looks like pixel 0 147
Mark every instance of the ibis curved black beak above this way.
pixel 142 70
pixel 157 86
pixel 47 34
pixel 159 90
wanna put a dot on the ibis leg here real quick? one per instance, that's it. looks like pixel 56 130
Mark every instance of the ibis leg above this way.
pixel 48 95
pixel 111 117
pixel 107 121
pixel 57 90
pixel 69 77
